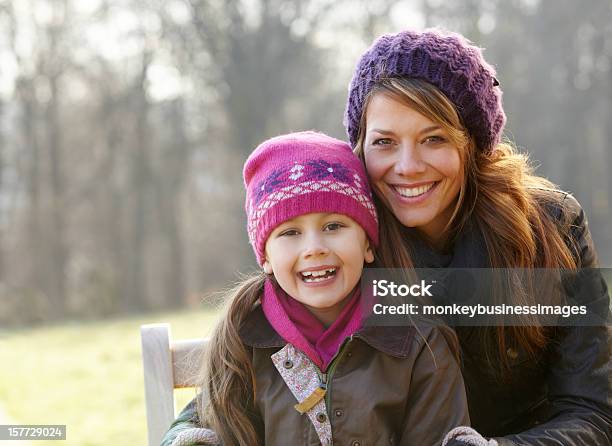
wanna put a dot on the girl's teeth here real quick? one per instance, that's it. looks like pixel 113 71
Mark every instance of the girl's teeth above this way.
pixel 316 276
pixel 317 279
pixel 413 191
pixel 318 273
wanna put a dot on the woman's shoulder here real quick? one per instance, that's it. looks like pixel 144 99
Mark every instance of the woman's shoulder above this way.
pixel 570 219
pixel 561 205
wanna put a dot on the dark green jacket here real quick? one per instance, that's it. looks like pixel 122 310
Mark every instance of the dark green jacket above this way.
pixel 386 386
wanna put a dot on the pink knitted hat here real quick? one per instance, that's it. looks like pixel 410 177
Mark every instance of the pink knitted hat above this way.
pixel 301 173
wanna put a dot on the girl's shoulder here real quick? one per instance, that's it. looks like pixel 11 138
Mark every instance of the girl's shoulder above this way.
pixel 409 340
pixel 257 332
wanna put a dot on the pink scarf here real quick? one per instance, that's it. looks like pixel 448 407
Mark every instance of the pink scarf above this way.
pixel 299 327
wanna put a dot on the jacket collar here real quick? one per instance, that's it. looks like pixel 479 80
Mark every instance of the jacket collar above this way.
pixel 256 332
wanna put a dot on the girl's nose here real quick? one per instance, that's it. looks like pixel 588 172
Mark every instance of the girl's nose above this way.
pixel 314 245
pixel 409 161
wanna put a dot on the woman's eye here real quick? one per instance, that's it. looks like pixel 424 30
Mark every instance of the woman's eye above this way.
pixel 434 139
pixel 382 142
pixel 333 226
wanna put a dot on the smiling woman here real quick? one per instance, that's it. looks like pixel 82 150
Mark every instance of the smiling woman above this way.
pixel 424 114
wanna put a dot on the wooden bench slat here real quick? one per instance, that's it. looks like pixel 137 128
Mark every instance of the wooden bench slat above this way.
pixel 167 365
pixel 187 362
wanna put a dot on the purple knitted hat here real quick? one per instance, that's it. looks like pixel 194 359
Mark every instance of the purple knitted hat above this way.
pixel 447 61
pixel 302 173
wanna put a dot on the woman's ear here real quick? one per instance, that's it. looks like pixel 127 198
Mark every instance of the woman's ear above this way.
pixel 267 267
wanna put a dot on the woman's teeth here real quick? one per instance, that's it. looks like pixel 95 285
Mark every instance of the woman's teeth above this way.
pixel 317 276
pixel 413 191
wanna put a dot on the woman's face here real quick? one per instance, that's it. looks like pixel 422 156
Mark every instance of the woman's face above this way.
pixel 412 164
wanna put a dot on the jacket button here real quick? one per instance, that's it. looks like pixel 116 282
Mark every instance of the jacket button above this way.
pixel 349 354
pixel 339 413
pixel 512 354
pixel 288 364
pixel 356 443
pixel 321 417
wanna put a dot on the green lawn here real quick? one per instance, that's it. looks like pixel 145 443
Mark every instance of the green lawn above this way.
pixel 87 375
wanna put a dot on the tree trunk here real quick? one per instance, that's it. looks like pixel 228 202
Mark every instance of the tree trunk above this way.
pixel 178 154
pixel 135 298
pixel 58 250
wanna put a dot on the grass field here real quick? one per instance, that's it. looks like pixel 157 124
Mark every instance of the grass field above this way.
pixel 87 375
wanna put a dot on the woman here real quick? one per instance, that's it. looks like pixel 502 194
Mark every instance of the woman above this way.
pixel 424 114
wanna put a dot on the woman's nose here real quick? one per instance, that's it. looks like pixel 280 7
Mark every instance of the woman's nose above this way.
pixel 409 161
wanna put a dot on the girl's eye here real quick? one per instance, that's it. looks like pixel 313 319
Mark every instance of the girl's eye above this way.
pixel 288 232
pixel 333 226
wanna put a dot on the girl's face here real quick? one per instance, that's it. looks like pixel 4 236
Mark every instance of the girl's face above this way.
pixel 317 259
pixel 412 164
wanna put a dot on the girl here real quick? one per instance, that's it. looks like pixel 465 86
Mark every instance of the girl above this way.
pixel 424 114
pixel 290 362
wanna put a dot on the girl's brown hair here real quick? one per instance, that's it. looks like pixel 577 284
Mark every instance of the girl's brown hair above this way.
pixel 500 194
pixel 227 402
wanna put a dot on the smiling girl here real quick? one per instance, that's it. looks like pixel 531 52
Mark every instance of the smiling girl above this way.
pixel 291 361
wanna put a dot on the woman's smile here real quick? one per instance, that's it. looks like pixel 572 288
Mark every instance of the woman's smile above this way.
pixel 415 193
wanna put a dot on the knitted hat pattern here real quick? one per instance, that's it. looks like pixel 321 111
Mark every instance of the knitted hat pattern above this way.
pixel 301 173
pixel 447 61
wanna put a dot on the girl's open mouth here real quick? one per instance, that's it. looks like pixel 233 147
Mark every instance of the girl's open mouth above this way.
pixel 318 276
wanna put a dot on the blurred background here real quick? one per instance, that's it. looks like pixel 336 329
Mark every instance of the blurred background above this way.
pixel 124 125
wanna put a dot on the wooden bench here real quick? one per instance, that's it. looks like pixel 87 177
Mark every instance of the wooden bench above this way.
pixel 167 365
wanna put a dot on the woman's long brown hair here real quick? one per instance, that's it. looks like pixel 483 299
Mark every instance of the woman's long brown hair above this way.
pixel 504 198
pixel 227 404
